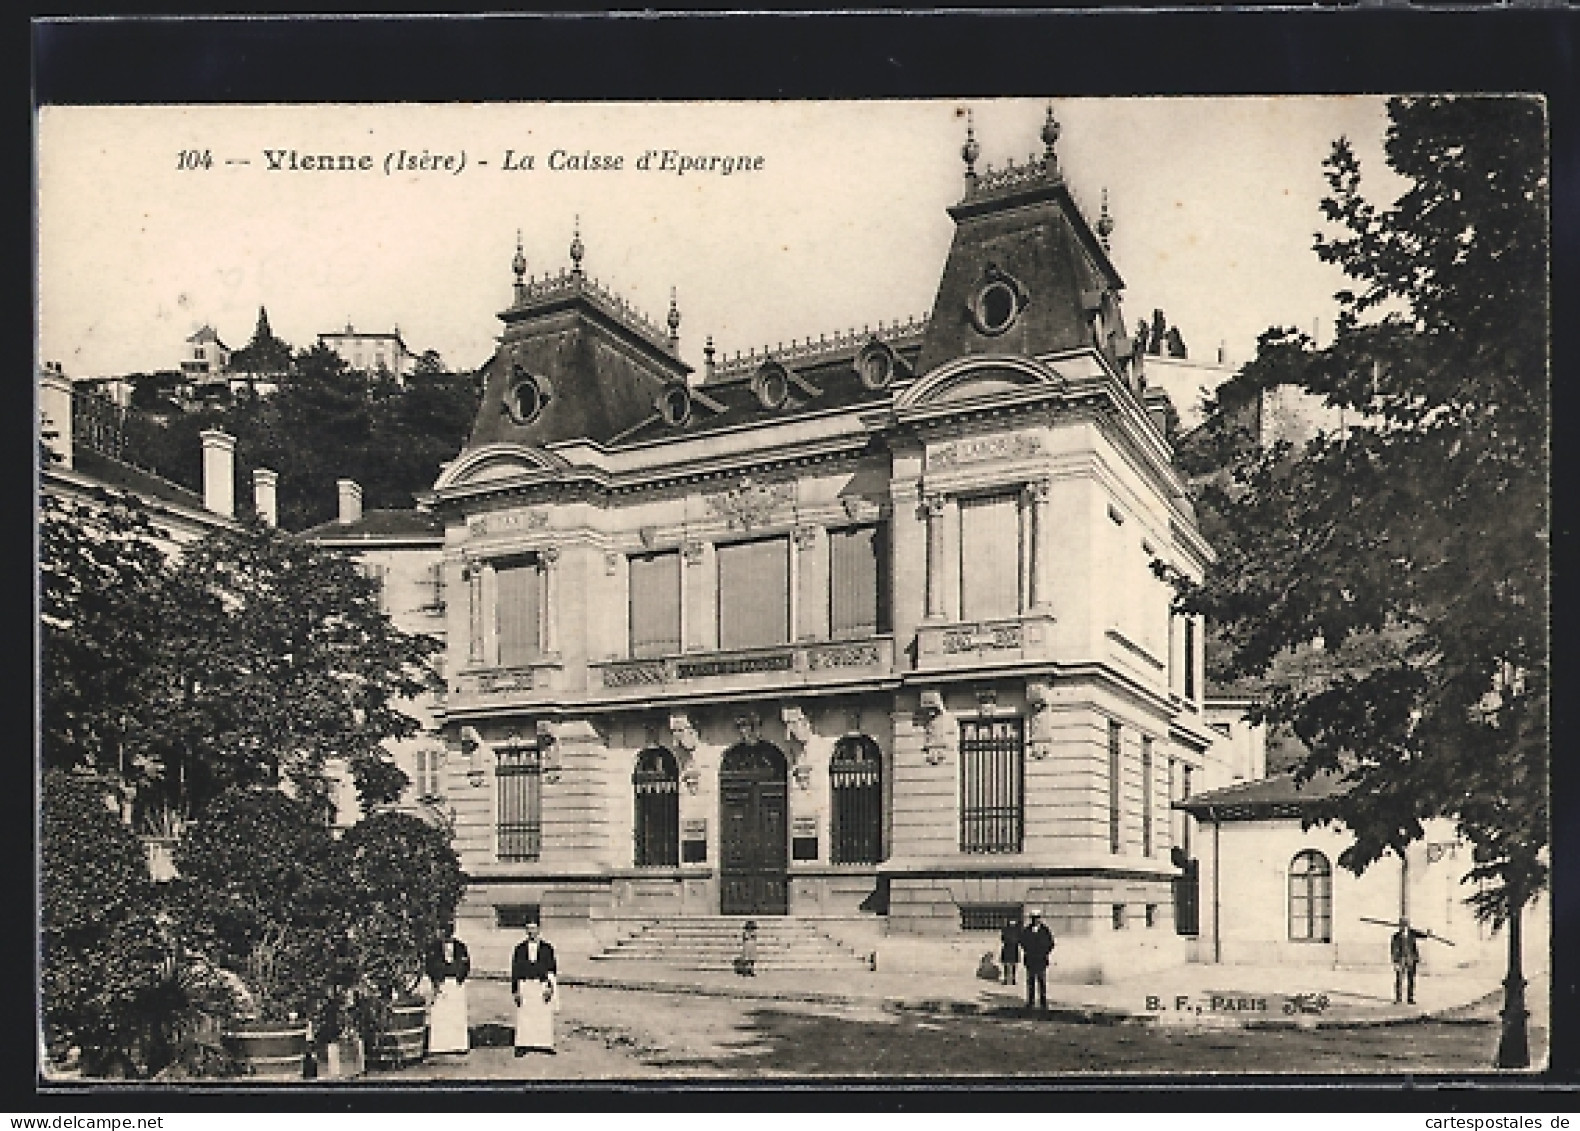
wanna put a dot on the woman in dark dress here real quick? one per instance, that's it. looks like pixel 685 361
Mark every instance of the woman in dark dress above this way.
pixel 1009 952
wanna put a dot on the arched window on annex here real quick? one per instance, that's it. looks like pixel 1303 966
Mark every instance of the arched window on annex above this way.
pixel 1310 898
pixel 656 785
pixel 855 778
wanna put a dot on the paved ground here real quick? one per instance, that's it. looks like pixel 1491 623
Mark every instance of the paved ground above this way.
pixel 622 1033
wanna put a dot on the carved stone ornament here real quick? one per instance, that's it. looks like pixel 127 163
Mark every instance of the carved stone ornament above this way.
pixel 611 563
pixel 549 555
pixel 691 552
pixel 1039 723
pixel 805 537
pixel 750 504
pixel 749 725
pixel 978 449
pixel 798 729
pixel 941 729
pixel 476 752
pixel 987 701
pixel 855 507
pixel 505 521
pixel 933 504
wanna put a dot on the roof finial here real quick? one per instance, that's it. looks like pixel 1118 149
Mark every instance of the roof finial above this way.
pixel 578 249
pixel 970 151
pixel 519 266
pixel 1050 134
pixel 674 322
pixel 707 358
pixel 1105 222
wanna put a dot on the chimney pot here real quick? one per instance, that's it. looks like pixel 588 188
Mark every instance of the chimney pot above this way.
pixel 219 472
pixel 54 411
pixel 350 500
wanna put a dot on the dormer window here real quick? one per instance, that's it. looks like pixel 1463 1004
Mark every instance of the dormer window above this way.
pixel 876 365
pixel 674 405
pixel 771 384
pixel 526 397
pixel 998 302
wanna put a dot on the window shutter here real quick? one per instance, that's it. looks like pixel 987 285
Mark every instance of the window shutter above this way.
pixel 854 566
pixel 754 593
pixel 655 603
pixel 989 558
pixel 517 588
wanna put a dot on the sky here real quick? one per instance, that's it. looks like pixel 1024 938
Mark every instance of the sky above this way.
pixel 1214 202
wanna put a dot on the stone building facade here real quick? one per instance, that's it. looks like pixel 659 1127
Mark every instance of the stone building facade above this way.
pixel 864 629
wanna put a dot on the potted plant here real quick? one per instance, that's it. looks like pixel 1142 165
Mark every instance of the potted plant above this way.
pixel 256 890
pixel 402 882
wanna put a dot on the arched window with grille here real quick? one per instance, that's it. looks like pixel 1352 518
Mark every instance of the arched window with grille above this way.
pixel 855 774
pixel 1310 898
pixel 656 784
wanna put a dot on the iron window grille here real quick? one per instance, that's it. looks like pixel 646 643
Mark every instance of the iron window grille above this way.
pixel 989 916
pixel 519 777
pixel 656 785
pixel 992 785
pixel 855 777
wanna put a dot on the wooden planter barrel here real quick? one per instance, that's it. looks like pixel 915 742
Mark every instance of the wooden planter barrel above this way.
pixel 270 1052
pixel 405 1041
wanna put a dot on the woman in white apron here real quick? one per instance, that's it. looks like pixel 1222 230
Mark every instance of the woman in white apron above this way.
pixel 448 966
pixel 532 984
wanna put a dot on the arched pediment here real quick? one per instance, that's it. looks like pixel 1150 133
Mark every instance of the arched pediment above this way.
pixel 497 461
pixel 978 377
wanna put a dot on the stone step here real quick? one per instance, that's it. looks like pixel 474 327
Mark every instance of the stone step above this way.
pixel 714 943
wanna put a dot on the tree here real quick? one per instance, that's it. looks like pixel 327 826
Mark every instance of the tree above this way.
pixel 250 660
pixel 1418 540
pixel 265 353
pixel 278 660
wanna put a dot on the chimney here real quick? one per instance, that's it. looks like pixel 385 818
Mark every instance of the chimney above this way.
pixel 54 411
pixel 263 495
pixel 219 472
pixel 350 500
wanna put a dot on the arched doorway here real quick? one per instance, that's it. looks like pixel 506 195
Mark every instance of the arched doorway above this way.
pixel 753 831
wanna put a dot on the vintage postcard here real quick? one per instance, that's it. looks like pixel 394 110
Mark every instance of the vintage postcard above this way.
pixel 681 591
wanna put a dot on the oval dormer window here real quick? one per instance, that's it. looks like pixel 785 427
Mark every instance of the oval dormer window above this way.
pixel 526 397
pixel 772 385
pixel 674 405
pixel 996 307
pixel 875 365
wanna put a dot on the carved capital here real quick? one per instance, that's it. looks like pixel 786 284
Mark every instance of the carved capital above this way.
pixel 933 504
pixel 691 552
pixel 549 556
pixel 805 537
pixel 940 730
pixel 1037 490
pixel 1039 723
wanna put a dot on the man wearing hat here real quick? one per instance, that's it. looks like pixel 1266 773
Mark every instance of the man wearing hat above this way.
pixel 1036 945
pixel 1406 957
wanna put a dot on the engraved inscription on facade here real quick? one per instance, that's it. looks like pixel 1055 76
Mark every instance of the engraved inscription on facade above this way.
pixel 977 449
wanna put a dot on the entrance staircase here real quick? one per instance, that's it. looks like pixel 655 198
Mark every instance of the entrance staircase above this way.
pixel 713 942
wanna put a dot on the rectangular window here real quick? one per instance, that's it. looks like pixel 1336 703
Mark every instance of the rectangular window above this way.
pixel 1190 658
pixel 754 593
pixel 514 916
pixel 655 604
pixel 1146 796
pixel 856 590
pixel 519 780
pixel 430 766
pixel 517 607
pixel 379 576
pixel 1114 768
pixel 989 557
pixel 992 785
pixel 989 916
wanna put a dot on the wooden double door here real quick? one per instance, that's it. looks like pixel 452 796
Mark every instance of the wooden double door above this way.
pixel 754 820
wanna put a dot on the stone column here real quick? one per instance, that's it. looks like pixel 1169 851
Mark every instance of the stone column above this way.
pixel 934 505
pixel 550 557
pixel 1041 580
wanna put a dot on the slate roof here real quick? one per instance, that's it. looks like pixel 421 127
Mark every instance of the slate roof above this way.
pixel 380 525
pixel 1275 796
pixel 124 477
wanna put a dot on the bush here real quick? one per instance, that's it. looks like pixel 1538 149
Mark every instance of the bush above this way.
pixel 402 882
pixel 102 946
pixel 257 893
